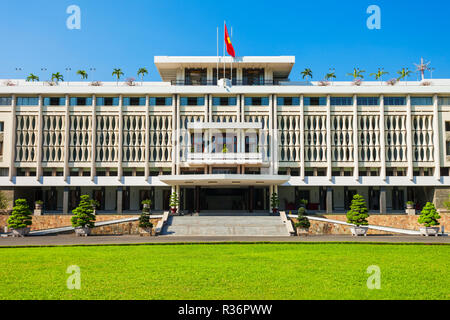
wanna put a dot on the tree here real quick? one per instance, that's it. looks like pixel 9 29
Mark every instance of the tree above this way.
pixel 56 77
pixel 379 74
pixel 429 216
pixel 144 219
pixel 302 221
pixel 32 77
pixel 307 73
pixel 358 212
pixel 83 74
pixel 274 201
pixel 357 74
pixel 21 216
pixel 404 73
pixel 142 72
pixel 84 213
pixel 329 76
pixel 118 73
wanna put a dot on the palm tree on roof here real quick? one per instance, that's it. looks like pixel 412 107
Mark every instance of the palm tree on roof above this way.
pixel 379 74
pixel 32 77
pixel 357 73
pixel 330 75
pixel 142 72
pixel 307 73
pixel 56 77
pixel 83 74
pixel 118 73
pixel 404 73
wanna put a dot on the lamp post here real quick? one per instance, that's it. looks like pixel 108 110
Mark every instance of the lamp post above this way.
pixel 18 70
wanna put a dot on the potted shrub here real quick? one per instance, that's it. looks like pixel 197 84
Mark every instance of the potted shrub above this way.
pixel 303 203
pixel 358 215
pixel 274 203
pixel 174 202
pixel 38 207
pixel 21 218
pixel 410 208
pixel 83 219
pixel 429 217
pixel 410 204
pixel 302 225
pixel 145 225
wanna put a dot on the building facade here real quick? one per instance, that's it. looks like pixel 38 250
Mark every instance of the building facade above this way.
pixel 225 144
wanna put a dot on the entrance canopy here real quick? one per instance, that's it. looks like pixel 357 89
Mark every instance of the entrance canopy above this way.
pixel 224 179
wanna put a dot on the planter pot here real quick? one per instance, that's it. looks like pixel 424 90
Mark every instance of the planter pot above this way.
pixel 302 231
pixel 146 232
pixel 409 206
pixel 173 210
pixel 359 231
pixel 429 231
pixel 21 232
pixel 82 231
pixel 410 212
pixel 37 212
pixel 274 211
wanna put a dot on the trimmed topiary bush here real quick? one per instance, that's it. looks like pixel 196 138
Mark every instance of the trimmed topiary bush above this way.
pixel 303 222
pixel 84 213
pixel 21 216
pixel 358 212
pixel 274 202
pixel 144 219
pixel 429 216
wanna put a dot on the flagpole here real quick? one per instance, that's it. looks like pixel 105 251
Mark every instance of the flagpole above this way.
pixel 224 25
pixel 231 37
pixel 217 68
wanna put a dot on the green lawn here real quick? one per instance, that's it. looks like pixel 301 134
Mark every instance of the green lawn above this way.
pixel 227 271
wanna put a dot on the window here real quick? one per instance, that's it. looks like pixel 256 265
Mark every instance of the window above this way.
pixel 27 101
pixel 421 101
pixel 134 101
pixel 251 77
pixel 195 77
pixel 192 101
pixel 54 101
pixel 107 101
pixel 443 101
pixel 394 101
pixel 160 101
pixel 224 101
pixel 227 75
pixel 448 148
pixel 341 101
pixel 368 101
pixel 315 101
pixel 288 101
pixel 256 101
pixel 447 126
pixel 2 127
pixel 81 101
pixel 5 101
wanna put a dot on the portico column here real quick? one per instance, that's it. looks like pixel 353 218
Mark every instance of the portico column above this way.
pixel 273 102
pixel 383 200
pixel 66 139
pixel 177 136
pixel 329 165
pixel 409 147
pixel 329 200
pixel 355 139
pixel 271 139
pixel 39 141
pixel 382 141
pixel 12 166
pixel 119 167
pixel 94 137
pixel 436 140
pixel 302 139
pixel 66 200
pixel 175 101
pixel 147 138
pixel 119 199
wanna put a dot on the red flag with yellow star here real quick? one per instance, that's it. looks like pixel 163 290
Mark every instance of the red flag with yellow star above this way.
pixel 230 48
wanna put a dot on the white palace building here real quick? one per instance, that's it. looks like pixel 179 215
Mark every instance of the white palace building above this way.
pixel 225 145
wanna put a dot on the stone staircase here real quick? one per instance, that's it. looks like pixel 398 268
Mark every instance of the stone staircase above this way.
pixel 225 226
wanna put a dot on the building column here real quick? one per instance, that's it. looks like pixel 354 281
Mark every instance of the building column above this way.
pixel 355 139
pixel 177 190
pixel 329 201
pixel 302 139
pixel 409 147
pixel 274 103
pixel 119 166
pixel 66 200
pixel 329 163
pixel 383 200
pixel 66 139
pixel 382 140
pixel 271 139
pixel 175 100
pixel 119 200
pixel 270 197
pixel 147 138
pixel 39 141
pixel 94 138
pixel 177 137
pixel 436 140
pixel 12 165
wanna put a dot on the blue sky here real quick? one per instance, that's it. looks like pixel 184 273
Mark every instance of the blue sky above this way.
pixel 128 34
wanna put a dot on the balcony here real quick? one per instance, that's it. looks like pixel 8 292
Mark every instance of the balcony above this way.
pixel 224 158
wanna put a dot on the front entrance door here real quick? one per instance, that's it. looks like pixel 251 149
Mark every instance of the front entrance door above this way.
pixel 398 199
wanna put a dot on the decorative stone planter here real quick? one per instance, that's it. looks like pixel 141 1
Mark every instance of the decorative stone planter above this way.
pixel 82 231
pixel 359 231
pixel 146 232
pixel 173 210
pixel 21 232
pixel 429 231
pixel 37 209
pixel 410 211
pixel 302 231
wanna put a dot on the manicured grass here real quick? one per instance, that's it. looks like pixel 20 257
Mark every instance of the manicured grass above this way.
pixel 227 271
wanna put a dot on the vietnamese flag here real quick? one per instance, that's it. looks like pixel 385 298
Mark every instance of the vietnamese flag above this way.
pixel 230 48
